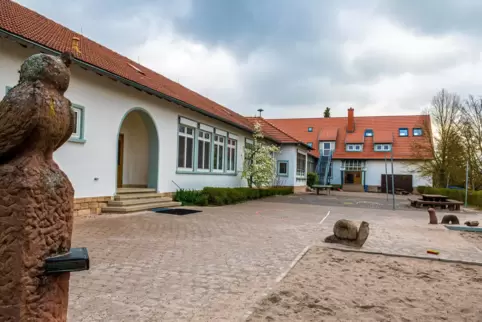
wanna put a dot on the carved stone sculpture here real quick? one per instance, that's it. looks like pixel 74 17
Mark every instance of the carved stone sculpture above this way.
pixel 450 219
pixel 432 216
pixel 36 197
pixel 347 233
pixel 473 223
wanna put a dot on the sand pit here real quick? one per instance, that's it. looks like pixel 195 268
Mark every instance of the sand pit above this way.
pixel 473 237
pixel 331 285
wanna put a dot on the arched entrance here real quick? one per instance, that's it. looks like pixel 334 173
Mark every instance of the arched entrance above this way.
pixel 137 150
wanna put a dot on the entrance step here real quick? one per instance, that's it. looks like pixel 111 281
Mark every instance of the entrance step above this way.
pixel 141 207
pixel 134 190
pixel 131 202
pixel 127 196
pixel 353 187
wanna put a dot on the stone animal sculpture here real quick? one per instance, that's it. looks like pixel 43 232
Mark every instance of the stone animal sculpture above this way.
pixel 432 216
pixel 472 223
pixel 36 197
pixel 450 220
pixel 346 233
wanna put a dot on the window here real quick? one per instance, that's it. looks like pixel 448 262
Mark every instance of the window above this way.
pixel 310 144
pixel 383 147
pixel 310 129
pixel 403 132
pixel 218 154
pixel 354 147
pixel 185 148
pixel 301 165
pixel 231 157
pixel 283 168
pixel 326 148
pixel 417 132
pixel 353 165
pixel 368 132
pixel 78 132
pixel 204 151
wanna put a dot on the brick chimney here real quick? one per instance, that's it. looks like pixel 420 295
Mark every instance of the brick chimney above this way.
pixel 350 126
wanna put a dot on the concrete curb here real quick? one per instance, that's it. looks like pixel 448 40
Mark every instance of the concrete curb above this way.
pixel 278 280
pixel 446 260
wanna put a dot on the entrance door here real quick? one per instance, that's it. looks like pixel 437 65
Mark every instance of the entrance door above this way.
pixel 120 159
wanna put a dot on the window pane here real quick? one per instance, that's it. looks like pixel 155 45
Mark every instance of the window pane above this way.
pixel 200 154
pixel 189 146
pixel 326 145
pixel 221 154
pixel 215 156
pixel 282 168
pixel 189 131
pixel 76 117
pixel 207 151
pixel 229 159
pixel 182 129
pixel 180 152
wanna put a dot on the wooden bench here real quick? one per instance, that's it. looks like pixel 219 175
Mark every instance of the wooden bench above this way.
pixel 319 187
pixel 450 204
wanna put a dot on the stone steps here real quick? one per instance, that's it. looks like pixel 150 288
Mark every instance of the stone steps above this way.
pixel 138 199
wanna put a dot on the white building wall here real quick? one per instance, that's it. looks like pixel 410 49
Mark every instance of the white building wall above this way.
pixel 375 169
pixel 91 166
pixel 288 153
pixel 336 172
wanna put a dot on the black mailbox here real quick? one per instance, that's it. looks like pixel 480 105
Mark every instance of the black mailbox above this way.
pixel 77 259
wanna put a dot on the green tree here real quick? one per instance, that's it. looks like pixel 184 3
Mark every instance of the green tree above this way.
pixel 327 113
pixel 259 163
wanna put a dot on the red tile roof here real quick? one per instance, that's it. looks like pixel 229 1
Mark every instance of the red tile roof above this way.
pixel 355 137
pixel 274 132
pixel 383 137
pixel 328 134
pixel 27 24
pixel 381 125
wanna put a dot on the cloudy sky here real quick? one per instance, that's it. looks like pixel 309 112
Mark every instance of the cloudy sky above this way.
pixel 293 58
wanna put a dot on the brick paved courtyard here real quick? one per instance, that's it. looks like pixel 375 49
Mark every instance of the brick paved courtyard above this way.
pixel 213 265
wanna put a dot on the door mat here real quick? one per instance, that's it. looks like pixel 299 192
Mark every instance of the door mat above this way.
pixel 175 211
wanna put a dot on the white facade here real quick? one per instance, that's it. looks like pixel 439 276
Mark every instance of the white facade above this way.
pixel 289 154
pixel 149 126
pixel 376 168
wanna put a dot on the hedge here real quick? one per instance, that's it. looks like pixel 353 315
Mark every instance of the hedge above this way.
pixel 474 198
pixel 226 196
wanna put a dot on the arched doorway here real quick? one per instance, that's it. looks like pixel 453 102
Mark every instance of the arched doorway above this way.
pixel 137 151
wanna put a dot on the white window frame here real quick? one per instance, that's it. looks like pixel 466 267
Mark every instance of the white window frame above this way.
pixel 78 134
pixel 324 151
pixel 231 146
pixel 386 147
pixel 219 146
pixel 354 147
pixel 417 129
pixel 187 136
pixel 206 151
pixel 301 173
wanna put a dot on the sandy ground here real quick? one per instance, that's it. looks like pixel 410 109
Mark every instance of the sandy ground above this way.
pixel 331 285
pixel 473 237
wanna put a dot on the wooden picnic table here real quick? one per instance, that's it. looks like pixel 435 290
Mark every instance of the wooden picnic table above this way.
pixel 429 197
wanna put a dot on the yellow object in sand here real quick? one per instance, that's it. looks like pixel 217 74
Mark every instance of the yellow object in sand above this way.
pixel 431 251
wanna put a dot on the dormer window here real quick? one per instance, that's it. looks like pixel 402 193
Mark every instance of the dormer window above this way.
pixel 310 129
pixel 383 147
pixel 368 132
pixel 354 147
pixel 417 132
pixel 403 132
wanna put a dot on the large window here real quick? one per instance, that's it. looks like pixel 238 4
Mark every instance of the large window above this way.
pixel 218 155
pixel 231 157
pixel 301 165
pixel 204 151
pixel 185 148
pixel 326 148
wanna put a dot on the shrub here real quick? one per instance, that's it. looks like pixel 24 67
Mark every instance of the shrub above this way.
pixel 187 197
pixel 421 189
pixel 226 196
pixel 312 179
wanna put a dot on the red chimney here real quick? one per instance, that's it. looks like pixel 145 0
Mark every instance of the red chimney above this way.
pixel 350 126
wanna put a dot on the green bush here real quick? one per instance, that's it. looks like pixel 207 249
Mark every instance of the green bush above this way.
pixel 312 179
pixel 187 197
pixel 421 189
pixel 474 198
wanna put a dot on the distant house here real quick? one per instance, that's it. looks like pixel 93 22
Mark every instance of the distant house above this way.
pixel 136 129
pixel 357 148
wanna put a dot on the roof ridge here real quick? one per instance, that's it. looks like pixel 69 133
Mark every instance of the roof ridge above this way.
pixel 282 131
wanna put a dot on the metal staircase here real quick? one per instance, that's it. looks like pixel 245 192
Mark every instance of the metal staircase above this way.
pixel 323 168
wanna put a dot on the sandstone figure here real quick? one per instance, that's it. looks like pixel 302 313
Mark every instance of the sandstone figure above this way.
pixel 36 197
pixel 347 233
pixel 450 219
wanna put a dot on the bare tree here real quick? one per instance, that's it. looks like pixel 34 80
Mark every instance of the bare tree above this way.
pixel 442 152
pixel 471 132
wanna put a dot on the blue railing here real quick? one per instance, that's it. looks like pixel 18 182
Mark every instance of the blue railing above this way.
pixel 323 168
